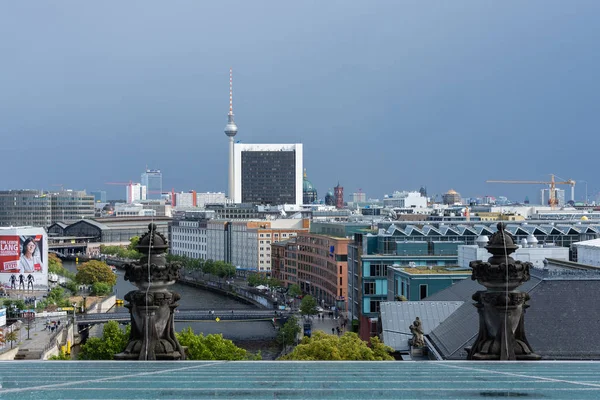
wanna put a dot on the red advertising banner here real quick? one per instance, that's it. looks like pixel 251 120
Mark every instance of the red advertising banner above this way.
pixel 10 252
pixel 21 254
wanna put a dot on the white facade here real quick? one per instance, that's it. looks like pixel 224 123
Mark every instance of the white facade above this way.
pixel 239 148
pixel 135 192
pixel 588 252
pixel 133 210
pixel 405 200
pixel 184 199
pixel 545 196
pixel 535 255
pixel 190 239
pixel 210 198
pixel 15 263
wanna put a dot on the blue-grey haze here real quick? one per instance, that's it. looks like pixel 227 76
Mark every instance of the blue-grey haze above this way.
pixel 385 95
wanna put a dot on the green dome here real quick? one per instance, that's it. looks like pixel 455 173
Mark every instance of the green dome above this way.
pixel 307 186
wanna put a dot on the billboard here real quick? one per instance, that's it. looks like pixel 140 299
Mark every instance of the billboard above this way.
pixel 23 259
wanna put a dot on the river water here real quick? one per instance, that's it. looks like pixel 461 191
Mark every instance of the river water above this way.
pixel 251 335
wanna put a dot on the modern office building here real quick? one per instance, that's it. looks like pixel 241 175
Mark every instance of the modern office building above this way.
pixel 25 208
pixel 188 234
pixel 405 200
pixel 247 244
pixel 202 199
pixel 38 208
pixel 152 180
pixel 268 173
pixel 136 192
pixel 72 205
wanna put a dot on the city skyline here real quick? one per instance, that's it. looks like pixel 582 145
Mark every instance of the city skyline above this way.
pixel 385 96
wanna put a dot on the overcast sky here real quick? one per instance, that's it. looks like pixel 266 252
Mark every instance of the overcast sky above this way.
pixel 384 95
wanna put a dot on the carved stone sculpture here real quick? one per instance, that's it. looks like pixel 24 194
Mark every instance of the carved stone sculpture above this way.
pixel 417 331
pixel 501 308
pixel 152 306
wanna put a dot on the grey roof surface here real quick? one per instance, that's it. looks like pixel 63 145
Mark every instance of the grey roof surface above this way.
pixel 297 380
pixel 561 323
pixel 398 316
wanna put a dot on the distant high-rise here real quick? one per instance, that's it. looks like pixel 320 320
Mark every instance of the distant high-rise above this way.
pixel 268 173
pixel 559 195
pixel 152 180
pixel 136 192
pixel 231 130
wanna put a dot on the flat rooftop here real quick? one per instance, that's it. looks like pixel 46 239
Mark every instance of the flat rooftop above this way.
pixel 298 380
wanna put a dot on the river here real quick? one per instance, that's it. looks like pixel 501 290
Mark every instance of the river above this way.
pixel 252 335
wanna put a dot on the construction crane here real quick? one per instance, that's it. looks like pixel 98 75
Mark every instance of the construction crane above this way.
pixel 553 200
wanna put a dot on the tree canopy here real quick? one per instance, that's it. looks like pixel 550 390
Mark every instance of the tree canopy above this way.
pixel 308 305
pixel 95 271
pixel 289 331
pixel 294 290
pixel 113 341
pixel 211 347
pixel 55 266
pixel 323 347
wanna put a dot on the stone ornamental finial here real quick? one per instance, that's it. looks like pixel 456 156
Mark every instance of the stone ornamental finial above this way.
pixel 501 308
pixel 152 306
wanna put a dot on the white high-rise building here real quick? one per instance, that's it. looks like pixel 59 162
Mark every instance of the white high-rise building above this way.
pixel 135 192
pixel 545 196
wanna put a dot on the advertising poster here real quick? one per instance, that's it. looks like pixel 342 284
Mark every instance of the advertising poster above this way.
pixel 23 259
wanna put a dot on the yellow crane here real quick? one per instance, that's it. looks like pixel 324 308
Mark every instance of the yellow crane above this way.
pixel 552 201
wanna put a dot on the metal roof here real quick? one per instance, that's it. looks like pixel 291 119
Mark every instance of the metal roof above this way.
pixel 398 316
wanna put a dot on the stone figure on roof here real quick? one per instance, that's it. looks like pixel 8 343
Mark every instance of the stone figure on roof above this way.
pixel 417 331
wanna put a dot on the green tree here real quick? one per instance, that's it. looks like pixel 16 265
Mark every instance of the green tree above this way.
pixel 289 332
pixel 210 347
pixel 12 337
pixel 133 242
pixel 348 347
pixel 62 356
pixel 308 305
pixel 101 289
pixel 95 271
pixel 294 290
pixel 113 341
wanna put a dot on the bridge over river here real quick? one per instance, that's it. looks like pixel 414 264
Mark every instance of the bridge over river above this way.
pixel 191 316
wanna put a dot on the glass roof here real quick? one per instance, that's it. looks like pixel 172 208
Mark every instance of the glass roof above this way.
pixel 298 380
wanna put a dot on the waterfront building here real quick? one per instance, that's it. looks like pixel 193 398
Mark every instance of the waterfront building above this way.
pixel 268 173
pixel 317 263
pixel 247 244
pixel 152 180
pixel 188 234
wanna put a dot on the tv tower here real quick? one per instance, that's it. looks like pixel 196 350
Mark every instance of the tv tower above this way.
pixel 230 130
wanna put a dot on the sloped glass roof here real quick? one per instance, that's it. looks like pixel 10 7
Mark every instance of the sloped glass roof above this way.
pixel 298 380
